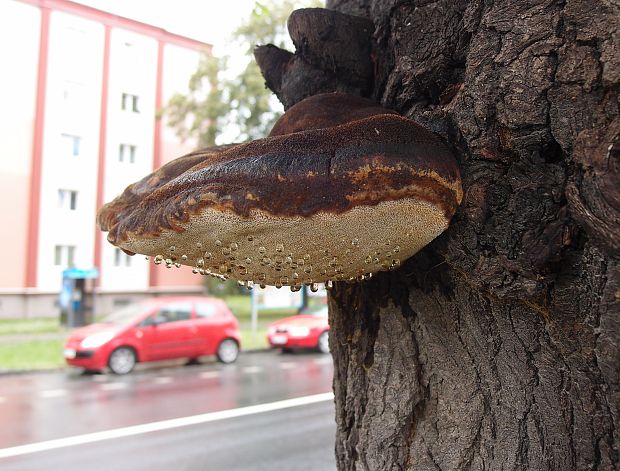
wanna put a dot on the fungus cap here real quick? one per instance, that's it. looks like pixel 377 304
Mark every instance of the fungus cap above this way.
pixel 333 202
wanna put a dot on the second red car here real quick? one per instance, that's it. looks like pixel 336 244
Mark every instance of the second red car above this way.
pixel 310 330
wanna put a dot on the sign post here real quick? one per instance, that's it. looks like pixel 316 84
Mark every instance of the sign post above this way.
pixel 254 314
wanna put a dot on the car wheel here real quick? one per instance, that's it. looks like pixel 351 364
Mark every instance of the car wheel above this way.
pixel 227 351
pixel 122 360
pixel 323 345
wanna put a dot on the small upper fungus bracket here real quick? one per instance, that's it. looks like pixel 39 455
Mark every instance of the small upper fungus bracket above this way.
pixel 333 53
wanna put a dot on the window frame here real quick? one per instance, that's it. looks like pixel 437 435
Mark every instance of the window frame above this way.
pixel 64 255
pixel 120 257
pixel 67 199
pixel 76 143
pixel 134 102
pixel 127 150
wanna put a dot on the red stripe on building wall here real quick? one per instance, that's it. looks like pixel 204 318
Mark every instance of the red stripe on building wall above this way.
pixel 103 121
pixel 37 154
pixel 157 135
pixel 159 104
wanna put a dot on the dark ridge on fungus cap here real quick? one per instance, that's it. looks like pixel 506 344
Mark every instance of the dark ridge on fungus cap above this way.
pixel 365 162
pixel 326 110
pixel 109 214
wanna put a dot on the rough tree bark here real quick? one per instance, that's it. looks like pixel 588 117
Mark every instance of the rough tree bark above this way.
pixel 498 346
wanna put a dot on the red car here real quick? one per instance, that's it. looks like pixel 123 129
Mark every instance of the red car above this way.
pixel 309 330
pixel 156 329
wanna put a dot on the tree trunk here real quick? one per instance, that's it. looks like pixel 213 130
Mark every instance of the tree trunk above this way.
pixel 498 346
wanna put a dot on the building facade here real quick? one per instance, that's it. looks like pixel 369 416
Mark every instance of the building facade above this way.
pixel 82 92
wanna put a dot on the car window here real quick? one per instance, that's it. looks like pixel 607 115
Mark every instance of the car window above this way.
pixel 125 314
pixel 174 312
pixel 206 309
pixel 321 311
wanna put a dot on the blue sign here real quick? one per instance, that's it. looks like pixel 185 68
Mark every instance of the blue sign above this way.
pixel 65 293
pixel 80 273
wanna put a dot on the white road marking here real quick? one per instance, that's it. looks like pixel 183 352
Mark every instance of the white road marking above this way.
pixel 162 425
pixel 210 374
pixel 326 360
pixel 113 386
pixel 252 369
pixel 163 380
pixel 288 365
pixel 51 393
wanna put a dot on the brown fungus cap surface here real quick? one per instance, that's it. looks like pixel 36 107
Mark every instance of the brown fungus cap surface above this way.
pixel 326 110
pixel 333 202
pixel 108 215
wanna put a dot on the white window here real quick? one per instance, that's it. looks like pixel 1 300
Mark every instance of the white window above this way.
pixel 64 255
pixel 71 144
pixel 130 103
pixel 121 259
pixel 127 153
pixel 67 199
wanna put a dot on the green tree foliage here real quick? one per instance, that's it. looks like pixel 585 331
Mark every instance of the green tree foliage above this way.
pixel 215 102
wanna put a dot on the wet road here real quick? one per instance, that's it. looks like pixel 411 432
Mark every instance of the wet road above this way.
pixel 261 430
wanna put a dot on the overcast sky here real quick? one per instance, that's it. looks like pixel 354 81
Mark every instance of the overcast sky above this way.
pixel 210 21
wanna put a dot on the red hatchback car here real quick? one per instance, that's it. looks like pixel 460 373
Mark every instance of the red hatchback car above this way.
pixel 156 329
pixel 309 330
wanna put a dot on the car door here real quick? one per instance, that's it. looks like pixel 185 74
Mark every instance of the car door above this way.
pixel 210 324
pixel 171 333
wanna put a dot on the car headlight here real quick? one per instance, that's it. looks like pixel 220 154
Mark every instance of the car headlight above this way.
pixel 96 340
pixel 298 331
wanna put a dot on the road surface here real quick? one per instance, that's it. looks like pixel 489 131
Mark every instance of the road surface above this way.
pixel 267 411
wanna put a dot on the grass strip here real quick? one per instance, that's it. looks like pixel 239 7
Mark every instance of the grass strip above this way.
pixel 43 325
pixel 31 355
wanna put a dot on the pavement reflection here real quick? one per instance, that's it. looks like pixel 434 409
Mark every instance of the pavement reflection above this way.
pixel 40 407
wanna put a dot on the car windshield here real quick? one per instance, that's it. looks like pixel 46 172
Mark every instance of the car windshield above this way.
pixel 125 314
pixel 320 312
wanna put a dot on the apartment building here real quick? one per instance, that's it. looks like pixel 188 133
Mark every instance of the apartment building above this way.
pixel 81 91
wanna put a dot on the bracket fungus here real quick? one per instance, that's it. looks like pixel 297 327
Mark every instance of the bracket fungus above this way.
pixel 340 189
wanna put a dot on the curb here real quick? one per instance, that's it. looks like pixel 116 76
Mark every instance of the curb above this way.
pixel 5 372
